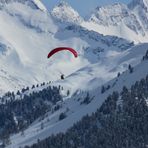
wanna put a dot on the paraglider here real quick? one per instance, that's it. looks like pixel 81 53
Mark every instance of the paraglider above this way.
pixel 52 52
pixel 61 49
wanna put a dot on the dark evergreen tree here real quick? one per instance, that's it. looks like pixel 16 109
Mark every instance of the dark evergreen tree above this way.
pixel 118 75
pixel 145 57
pixel 102 89
pixel 130 68
pixel 113 125
pixel 26 109
pixel 62 116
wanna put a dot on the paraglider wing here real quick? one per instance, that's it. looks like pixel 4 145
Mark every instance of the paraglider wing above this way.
pixel 62 48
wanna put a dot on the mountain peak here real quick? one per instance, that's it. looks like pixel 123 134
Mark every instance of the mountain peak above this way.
pixel 109 15
pixel 37 4
pixel 134 3
pixel 65 13
pixel 63 3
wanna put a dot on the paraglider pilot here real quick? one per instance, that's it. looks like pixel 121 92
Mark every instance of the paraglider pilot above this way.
pixel 52 52
pixel 62 77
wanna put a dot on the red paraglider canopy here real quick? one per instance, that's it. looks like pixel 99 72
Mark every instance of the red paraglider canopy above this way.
pixel 63 48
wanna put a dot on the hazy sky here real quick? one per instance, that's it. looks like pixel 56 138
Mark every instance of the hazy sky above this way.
pixel 83 6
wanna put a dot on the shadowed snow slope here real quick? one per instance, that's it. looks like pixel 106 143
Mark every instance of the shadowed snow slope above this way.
pixel 75 110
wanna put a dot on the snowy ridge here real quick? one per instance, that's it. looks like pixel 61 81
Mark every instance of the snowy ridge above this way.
pixel 106 16
pixel 35 4
pixel 135 3
pixel 65 13
pixel 121 20
pixel 117 19
pixel 140 9
pixel 40 5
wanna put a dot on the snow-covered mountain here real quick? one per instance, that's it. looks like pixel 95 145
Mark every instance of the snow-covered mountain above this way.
pixel 36 4
pixel 121 20
pixel 114 15
pixel 117 19
pixel 73 107
pixel 29 32
pixel 63 12
pixel 140 8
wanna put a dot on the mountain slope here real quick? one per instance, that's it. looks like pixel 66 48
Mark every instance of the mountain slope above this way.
pixel 75 108
pixel 30 33
pixel 140 9
pixel 117 19
pixel 121 20
pixel 126 110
